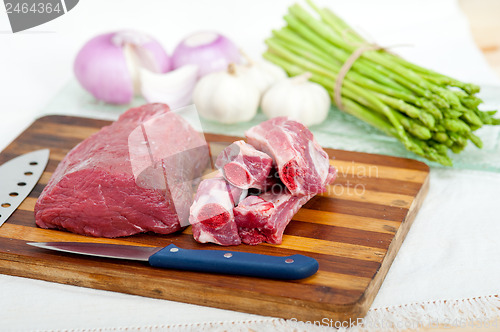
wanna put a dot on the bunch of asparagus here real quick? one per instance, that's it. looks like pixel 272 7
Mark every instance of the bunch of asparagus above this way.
pixel 427 111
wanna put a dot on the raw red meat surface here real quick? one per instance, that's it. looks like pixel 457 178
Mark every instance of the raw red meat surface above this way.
pixel 94 191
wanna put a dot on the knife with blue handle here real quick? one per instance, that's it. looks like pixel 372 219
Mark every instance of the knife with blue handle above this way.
pixel 214 261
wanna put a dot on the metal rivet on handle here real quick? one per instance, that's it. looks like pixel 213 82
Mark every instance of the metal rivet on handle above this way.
pixel 174 249
pixel 288 260
pixel 228 255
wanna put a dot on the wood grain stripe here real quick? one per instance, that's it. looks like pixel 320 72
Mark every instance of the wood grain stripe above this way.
pixel 377 159
pixel 339 234
pixel 44 179
pixel 341 220
pixel 379 185
pixel 362 170
pixel 53 141
pixel 338 280
pixel 354 208
pixel 35 234
pixel 65 130
pixel 65 119
pixel 360 194
pixel 28 204
pixel 333 248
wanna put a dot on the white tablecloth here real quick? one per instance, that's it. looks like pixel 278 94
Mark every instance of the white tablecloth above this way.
pixel 450 255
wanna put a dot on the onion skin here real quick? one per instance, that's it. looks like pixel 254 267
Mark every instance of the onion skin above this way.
pixel 211 57
pixel 102 70
pixel 162 60
pixel 101 67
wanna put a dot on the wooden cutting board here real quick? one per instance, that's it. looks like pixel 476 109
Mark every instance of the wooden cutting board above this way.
pixel 354 232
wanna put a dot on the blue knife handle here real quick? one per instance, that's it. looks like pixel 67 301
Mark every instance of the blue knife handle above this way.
pixel 234 262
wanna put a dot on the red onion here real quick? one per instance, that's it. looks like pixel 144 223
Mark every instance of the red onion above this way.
pixel 108 65
pixel 210 51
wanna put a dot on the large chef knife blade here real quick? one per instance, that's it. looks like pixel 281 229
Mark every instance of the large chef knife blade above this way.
pixel 214 261
pixel 18 177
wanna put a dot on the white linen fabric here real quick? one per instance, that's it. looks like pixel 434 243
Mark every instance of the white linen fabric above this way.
pixel 448 266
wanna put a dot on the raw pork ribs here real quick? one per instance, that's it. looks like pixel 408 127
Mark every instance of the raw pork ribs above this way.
pixel 212 217
pixel 264 218
pixel 304 170
pixel 94 191
pixel 244 166
pixel 302 164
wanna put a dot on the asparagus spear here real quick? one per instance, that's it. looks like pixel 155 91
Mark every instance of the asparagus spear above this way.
pixel 428 112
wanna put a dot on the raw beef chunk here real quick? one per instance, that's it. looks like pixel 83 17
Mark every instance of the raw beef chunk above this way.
pixel 264 218
pixel 244 166
pixel 302 164
pixel 94 191
pixel 211 214
pixel 168 162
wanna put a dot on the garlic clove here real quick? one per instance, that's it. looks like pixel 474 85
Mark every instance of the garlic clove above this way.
pixel 174 88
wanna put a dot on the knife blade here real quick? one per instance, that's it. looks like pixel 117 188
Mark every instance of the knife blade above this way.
pixel 214 261
pixel 18 177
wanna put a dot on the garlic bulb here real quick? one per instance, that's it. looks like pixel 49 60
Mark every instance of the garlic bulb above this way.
pixel 226 97
pixel 297 98
pixel 263 74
